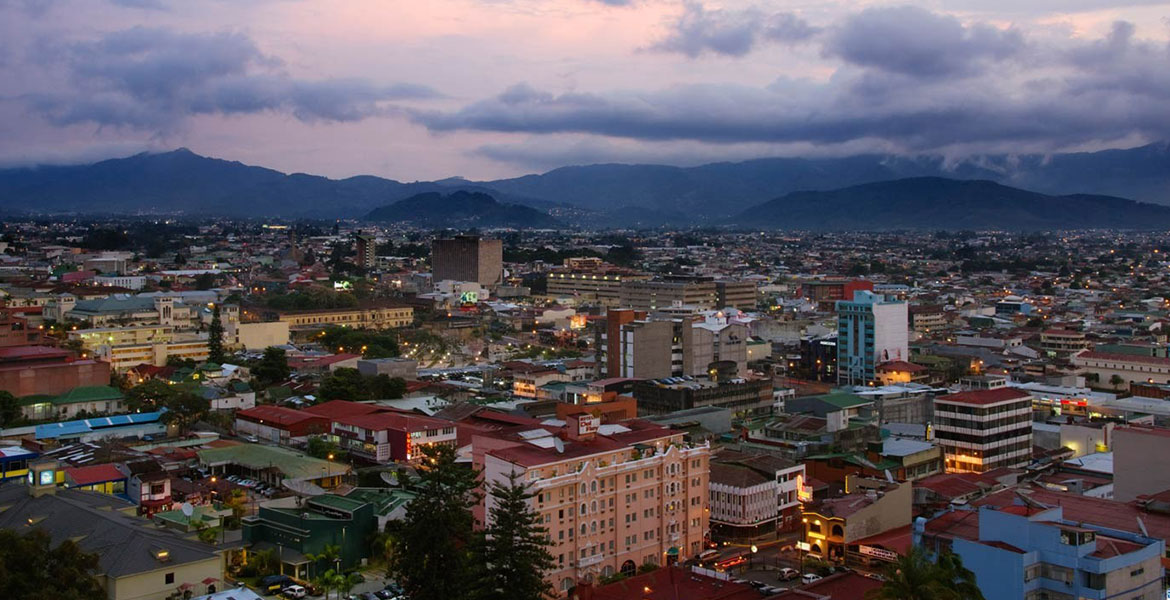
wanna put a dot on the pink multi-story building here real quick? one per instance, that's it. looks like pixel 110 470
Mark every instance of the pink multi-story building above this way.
pixel 613 496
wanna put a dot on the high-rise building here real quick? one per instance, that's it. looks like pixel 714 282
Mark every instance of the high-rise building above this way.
pixel 632 345
pixel 871 329
pixel 468 258
pixel 981 430
pixel 367 250
pixel 612 497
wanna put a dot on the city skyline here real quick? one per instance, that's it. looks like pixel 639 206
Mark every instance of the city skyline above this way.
pixel 500 88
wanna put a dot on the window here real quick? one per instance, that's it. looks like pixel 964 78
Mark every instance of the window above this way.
pixel 1137 571
pixel 169 578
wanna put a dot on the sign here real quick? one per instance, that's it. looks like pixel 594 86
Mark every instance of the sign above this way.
pixel 803 546
pixel 878 553
pixel 804 493
pixel 588 425
pixel 469 297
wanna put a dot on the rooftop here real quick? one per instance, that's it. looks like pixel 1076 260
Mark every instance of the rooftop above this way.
pixel 293 465
pixel 985 397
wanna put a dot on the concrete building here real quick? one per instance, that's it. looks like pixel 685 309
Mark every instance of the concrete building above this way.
pixel 387 436
pixel 742 295
pixel 981 430
pixel 1032 552
pixel 1062 342
pixel 280 425
pixel 1139 457
pixel 367 251
pixel 871 330
pixel 744 397
pixel 130 282
pixel 121 310
pixel 612 496
pixel 325 520
pixel 656 295
pixel 1127 368
pixel 754 495
pixel 468 258
pixel 127 356
pixel 591 280
pixel 43 371
pixel 371 315
pixel 632 345
pixel 391 367
pixel 871 507
pixel 260 335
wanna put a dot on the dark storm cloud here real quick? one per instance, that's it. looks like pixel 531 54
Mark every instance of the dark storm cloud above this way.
pixel 1096 91
pixel 728 32
pixel 916 42
pixel 155 78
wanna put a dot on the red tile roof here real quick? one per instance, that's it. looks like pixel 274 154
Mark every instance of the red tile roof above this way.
pixel 955 485
pixel 276 415
pixel 1111 514
pixel 838 586
pixel 985 397
pixel 899 540
pixel 900 365
pixel 397 421
pixel 1114 356
pixel 93 474
pixel 673 583
pixel 335 409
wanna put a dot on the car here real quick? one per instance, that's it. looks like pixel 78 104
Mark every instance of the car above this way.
pixel 294 591
pixel 275 582
pixel 875 576
pixel 384 594
pixel 808 578
pixel 788 574
pixel 253 439
pixel 395 589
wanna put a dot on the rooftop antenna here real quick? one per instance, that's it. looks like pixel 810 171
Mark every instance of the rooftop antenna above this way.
pixel 1142 526
pixel 559 445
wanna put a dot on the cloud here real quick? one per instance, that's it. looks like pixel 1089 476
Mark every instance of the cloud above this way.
pixel 894 97
pixel 916 42
pixel 729 32
pixel 151 78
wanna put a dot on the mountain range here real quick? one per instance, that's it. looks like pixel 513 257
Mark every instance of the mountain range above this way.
pixel 182 182
pixel 461 209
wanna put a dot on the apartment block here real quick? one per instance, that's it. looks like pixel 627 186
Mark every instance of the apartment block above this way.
pixel 468 258
pixel 613 497
pixel 981 430
pixel 871 330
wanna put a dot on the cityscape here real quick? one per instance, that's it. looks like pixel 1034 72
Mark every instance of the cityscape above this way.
pixel 715 300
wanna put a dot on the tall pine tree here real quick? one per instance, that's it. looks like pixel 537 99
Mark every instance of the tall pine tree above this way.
pixel 513 554
pixel 215 352
pixel 431 548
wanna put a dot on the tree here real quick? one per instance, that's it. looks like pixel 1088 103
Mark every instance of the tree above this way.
pixel 322 447
pixel 344 384
pixel 329 554
pixel 149 395
pixel 431 547
pixel 237 502
pixel 215 351
pixel 915 577
pixel 513 553
pixel 10 411
pixel 31 568
pixel 272 368
pixel 184 409
pixel 1116 380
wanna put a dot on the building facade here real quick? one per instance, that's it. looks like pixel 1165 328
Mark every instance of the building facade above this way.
pixel 871 330
pixel 981 430
pixel 468 258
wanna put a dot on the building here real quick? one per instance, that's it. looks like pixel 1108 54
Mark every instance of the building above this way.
pixel 15 329
pixel 632 345
pixel 391 436
pixel 612 496
pixel 591 280
pixel 85 399
pixel 826 292
pixel 834 527
pixel 744 397
pixel 130 282
pixel 367 251
pixel 871 330
pixel 1063 342
pixel 1118 371
pixel 1138 455
pixel 370 315
pixel 927 318
pixel 121 310
pixel 741 295
pixel 47 372
pixel 135 561
pixel 468 258
pixel 404 368
pixel 280 425
pixel 1032 551
pixel 655 295
pixel 273 465
pixel 325 520
pixel 754 495
pixel 981 430
pixel 148 485
pixel 260 335
pixel 122 358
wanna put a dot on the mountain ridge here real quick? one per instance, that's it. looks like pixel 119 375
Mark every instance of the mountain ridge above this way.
pixel 461 209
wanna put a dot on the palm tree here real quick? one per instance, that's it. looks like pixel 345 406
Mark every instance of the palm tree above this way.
pixel 347 582
pixel 329 580
pixel 330 553
pixel 915 577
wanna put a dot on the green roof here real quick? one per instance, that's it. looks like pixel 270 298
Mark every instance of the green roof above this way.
pixel 338 502
pixel 844 400
pixel 293 465
pixel 36 399
pixel 385 500
pixel 88 393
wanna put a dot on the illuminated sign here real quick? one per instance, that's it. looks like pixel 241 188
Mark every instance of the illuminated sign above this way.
pixel 469 297
pixel 588 425
pixel 48 477
pixel 803 546
pixel 342 285
pixel 804 493
pixel 879 553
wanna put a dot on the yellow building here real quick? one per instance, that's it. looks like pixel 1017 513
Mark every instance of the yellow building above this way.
pixel 93 339
pixel 122 358
pixel 372 317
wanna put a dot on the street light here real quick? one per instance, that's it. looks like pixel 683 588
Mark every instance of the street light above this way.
pixel 752 560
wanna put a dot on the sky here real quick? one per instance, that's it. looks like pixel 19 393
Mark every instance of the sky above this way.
pixel 484 89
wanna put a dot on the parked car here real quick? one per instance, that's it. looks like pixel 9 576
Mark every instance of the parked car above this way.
pixel 808 578
pixel 273 583
pixel 787 574
pixel 295 591
pixel 253 439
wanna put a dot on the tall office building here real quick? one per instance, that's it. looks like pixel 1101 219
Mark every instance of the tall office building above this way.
pixel 871 330
pixel 468 258
pixel 981 430
pixel 367 250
